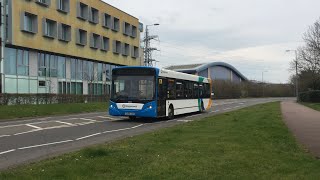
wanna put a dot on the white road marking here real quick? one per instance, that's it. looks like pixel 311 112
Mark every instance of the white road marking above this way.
pixel 70 124
pixel 184 120
pixel 87 119
pixel 5 152
pixel 227 109
pixel 122 129
pixel 107 117
pixel 85 137
pixel 9 126
pixel 4 136
pixel 36 127
pixel 47 144
pixel 26 132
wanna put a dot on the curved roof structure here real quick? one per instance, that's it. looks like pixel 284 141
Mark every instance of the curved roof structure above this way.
pixel 195 68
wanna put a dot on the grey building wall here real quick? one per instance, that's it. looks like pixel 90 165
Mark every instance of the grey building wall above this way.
pixel 219 72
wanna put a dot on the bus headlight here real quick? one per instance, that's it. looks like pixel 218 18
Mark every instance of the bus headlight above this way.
pixel 111 106
pixel 150 107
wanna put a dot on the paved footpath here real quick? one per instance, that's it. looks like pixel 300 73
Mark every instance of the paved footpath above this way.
pixel 304 122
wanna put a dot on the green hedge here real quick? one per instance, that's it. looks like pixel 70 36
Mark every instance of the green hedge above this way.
pixel 18 99
pixel 310 96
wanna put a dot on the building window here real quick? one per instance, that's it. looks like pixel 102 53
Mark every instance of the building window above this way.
pixel 43 64
pixel 116 47
pixel 106 21
pixel 105 44
pixel 116 24
pixel 135 52
pixel 82 11
pixel 42 83
pixel 61 67
pixel 49 28
pixel 126 49
pixel 29 22
pixel 10 63
pixel 126 29
pixel 88 71
pixel 53 66
pixel 64 32
pixel 44 2
pixel 100 71
pixel 73 71
pixel 133 31
pixel 63 6
pixel 94 15
pixel 95 41
pixel 81 37
pixel 79 70
pixel 23 63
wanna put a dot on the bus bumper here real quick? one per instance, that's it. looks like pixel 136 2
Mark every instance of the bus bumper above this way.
pixel 148 110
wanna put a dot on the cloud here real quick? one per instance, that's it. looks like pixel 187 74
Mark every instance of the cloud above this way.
pixel 251 35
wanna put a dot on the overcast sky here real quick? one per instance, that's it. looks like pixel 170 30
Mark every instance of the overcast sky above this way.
pixel 251 35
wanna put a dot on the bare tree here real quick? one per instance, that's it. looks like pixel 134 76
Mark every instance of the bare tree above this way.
pixel 308 58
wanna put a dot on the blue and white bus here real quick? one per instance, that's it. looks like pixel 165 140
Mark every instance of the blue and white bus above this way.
pixel 152 92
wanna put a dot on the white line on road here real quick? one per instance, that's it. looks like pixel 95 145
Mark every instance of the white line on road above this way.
pixel 35 130
pixel 214 111
pixel 47 144
pixel 87 119
pixel 36 127
pixel 184 120
pixel 107 117
pixel 227 109
pixel 85 137
pixel 9 126
pixel 122 129
pixel 4 136
pixel 70 124
pixel 5 152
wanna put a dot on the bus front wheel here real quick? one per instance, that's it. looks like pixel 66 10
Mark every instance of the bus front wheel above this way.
pixel 171 112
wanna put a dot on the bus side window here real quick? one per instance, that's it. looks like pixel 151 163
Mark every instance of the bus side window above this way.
pixel 179 89
pixel 171 94
pixel 188 90
pixel 201 90
pixel 195 90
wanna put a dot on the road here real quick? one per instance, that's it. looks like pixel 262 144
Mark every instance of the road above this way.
pixel 31 140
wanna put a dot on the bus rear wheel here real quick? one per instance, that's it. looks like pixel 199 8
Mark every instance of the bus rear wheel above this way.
pixel 171 112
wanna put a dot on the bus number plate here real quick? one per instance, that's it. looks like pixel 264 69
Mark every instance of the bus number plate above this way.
pixel 130 114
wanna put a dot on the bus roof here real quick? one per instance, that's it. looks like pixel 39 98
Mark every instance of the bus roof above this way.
pixel 170 73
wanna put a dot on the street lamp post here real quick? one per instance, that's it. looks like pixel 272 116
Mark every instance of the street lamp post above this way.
pixel 296 79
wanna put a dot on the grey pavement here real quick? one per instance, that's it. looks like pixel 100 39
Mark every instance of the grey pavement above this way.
pixel 304 123
pixel 30 140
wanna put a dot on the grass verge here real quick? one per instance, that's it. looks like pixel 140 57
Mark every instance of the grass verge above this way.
pixel 22 111
pixel 251 143
pixel 315 106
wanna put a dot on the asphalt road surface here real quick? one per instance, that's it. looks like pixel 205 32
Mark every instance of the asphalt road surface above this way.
pixel 31 140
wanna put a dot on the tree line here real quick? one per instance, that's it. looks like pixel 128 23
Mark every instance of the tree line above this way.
pixel 307 60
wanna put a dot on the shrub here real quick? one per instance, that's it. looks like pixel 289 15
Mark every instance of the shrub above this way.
pixel 16 99
pixel 310 96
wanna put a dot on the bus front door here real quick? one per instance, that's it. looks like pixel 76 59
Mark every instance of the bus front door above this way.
pixel 162 96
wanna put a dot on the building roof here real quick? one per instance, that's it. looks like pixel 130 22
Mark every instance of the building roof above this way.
pixel 194 68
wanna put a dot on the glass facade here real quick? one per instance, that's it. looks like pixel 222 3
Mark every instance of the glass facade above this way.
pixel 16 62
pixel 25 69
